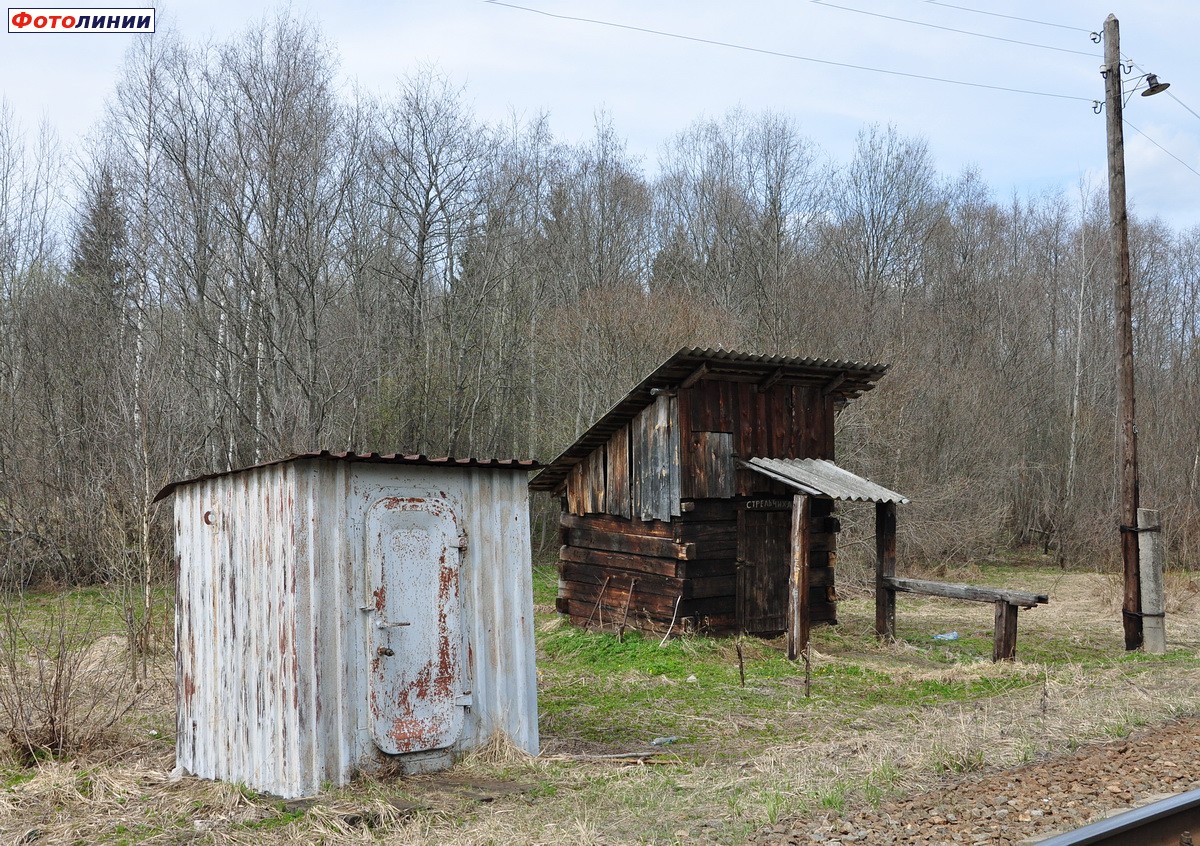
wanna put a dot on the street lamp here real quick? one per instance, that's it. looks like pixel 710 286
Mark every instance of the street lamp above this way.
pixel 1119 233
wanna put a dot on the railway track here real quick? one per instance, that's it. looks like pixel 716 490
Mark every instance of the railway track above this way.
pixel 1171 822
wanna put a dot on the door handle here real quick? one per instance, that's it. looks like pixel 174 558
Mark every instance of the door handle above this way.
pixel 380 624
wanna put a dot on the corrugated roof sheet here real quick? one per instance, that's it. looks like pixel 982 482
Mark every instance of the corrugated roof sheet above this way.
pixel 818 477
pixel 370 457
pixel 842 379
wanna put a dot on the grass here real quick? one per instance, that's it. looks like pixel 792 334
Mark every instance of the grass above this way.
pixel 882 719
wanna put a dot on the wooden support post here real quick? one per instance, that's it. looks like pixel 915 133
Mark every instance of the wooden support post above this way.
pixel 1150 551
pixel 1004 640
pixel 798 618
pixel 885 568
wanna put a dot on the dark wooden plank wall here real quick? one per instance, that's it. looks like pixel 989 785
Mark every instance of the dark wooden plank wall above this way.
pixel 767 538
pixel 822 563
pixel 684 447
pixel 762 583
pixel 712 466
pixel 594 487
pixel 636 474
pixel 575 486
pixel 654 470
pixel 783 421
pixel 616 483
pixel 643 473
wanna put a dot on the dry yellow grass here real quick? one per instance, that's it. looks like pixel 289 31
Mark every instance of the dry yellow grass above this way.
pixel 752 768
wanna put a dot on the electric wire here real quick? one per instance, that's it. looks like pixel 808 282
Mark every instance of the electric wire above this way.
pixel 797 57
pixel 1008 17
pixel 953 29
pixel 1185 105
pixel 783 55
pixel 1161 147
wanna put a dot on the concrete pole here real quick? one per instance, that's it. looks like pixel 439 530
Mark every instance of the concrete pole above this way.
pixel 1150 540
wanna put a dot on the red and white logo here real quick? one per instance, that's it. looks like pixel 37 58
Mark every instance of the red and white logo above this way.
pixel 80 20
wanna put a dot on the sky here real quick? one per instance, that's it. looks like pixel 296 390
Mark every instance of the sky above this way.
pixel 515 61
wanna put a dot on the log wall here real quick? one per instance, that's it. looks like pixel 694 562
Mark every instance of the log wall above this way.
pixel 642 574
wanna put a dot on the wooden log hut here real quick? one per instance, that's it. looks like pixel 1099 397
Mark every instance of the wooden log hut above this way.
pixel 705 498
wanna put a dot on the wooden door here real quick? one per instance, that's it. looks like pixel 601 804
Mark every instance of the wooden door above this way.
pixel 763 547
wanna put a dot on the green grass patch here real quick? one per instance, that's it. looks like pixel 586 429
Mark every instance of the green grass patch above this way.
pixel 10 778
pixel 599 689
pixel 273 823
pixel 545 584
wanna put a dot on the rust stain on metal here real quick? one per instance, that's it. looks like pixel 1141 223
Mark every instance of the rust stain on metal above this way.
pixel 409 733
pixel 447 582
pixel 447 669
pixel 420 685
pixel 394 502
pixel 380 595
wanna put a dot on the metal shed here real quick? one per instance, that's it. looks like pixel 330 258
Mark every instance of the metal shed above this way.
pixel 341 612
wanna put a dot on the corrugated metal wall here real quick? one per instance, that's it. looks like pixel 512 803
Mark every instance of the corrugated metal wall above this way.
pixel 271 660
pixel 498 594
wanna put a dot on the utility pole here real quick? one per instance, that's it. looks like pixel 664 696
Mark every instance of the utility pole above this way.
pixel 1119 233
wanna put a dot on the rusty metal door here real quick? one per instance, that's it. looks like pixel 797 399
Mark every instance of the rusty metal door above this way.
pixel 763 557
pixel 416 678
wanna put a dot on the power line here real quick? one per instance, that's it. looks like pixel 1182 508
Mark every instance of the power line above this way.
pixel 1008 17
pixel 953 29
pixel 782 55
pixel 1161 147
pixel 1185 105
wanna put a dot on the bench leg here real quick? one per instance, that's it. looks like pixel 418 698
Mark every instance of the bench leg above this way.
pixel 885 566
pixel 1004 643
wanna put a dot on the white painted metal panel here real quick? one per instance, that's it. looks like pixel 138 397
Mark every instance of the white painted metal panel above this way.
pixel 498 607
pixel 240 605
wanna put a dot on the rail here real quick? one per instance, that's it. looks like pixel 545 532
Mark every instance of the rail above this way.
pixel 1166 823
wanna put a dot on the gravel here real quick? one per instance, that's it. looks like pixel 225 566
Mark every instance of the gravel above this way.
pixel 1018 806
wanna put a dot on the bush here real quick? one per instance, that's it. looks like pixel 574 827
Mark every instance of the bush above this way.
pixel 65 681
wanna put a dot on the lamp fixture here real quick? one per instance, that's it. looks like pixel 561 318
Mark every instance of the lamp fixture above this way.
pixel 1153 86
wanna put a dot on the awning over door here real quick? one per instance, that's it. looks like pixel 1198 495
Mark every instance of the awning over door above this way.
pixel 817 477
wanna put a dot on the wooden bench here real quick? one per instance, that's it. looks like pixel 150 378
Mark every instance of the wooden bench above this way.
pixel 1007 602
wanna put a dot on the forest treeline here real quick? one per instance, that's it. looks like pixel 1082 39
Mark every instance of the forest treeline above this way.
pixel 248 259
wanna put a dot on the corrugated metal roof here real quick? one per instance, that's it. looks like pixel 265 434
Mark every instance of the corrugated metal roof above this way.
pixel 818 477
pixel 842 379
pixel 371 457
